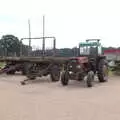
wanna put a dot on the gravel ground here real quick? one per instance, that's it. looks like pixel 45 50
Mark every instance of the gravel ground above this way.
pixel 43 100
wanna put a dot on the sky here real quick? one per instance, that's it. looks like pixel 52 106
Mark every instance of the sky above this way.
pixel 70 21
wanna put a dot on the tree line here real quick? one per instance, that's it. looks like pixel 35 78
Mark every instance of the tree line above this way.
pixel 10 46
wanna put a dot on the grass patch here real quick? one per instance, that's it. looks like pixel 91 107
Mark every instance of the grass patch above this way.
pixel 2 64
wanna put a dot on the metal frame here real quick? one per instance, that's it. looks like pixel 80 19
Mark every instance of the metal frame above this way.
pixel 92 40
pixel 54 44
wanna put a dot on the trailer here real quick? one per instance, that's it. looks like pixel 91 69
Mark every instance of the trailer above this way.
pixel 35 66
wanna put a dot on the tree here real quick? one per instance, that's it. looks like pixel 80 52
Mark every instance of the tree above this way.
pixel 10 45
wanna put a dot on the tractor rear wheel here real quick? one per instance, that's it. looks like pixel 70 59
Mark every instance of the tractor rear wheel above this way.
pixel 102 71
pixel 64 78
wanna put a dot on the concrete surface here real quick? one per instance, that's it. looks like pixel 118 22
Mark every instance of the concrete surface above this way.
pixel 43 100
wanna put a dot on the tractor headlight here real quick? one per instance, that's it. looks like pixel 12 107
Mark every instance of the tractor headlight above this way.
pixel 78 66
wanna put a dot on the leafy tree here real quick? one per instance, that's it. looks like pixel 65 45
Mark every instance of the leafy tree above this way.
pixel 10 46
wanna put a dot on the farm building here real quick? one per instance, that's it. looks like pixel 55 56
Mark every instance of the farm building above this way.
pixel 112 54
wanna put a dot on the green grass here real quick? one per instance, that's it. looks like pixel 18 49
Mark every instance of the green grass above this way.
pixel 2 64
pixel 110 72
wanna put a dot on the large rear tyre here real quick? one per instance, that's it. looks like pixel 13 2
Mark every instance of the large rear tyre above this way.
pixel 64 78
pixel 90 79
pixel 103 71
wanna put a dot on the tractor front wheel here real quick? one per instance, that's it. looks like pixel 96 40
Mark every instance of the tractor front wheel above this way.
pixel 90 79
pixel 103 71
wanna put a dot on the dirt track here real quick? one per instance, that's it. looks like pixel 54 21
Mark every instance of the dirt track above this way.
pixel 43 100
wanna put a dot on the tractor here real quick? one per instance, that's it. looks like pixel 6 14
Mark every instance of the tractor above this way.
pixel 89 62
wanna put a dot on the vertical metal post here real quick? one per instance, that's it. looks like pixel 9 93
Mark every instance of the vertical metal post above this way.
pixel 43 47
pixel 21 48
pixel 79 50
pixel 54 47
pixel 29 37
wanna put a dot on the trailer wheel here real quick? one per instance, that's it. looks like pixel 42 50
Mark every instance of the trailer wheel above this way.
pixel 55 73
pixel 90 79
pixel 28 71
pixel 64 78
pixel 25 68
pixel 103 71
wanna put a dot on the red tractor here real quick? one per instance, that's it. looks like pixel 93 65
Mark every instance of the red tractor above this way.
pixel 89 62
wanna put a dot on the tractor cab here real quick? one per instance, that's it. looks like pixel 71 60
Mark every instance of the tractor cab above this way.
pixel 92 47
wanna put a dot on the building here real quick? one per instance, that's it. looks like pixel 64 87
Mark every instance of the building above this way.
pixel 112 54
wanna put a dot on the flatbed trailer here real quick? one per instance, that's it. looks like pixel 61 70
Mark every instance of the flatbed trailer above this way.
pixel 33 59
pixel 34 67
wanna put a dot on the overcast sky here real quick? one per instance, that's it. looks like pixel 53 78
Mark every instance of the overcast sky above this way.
pixel 70 21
